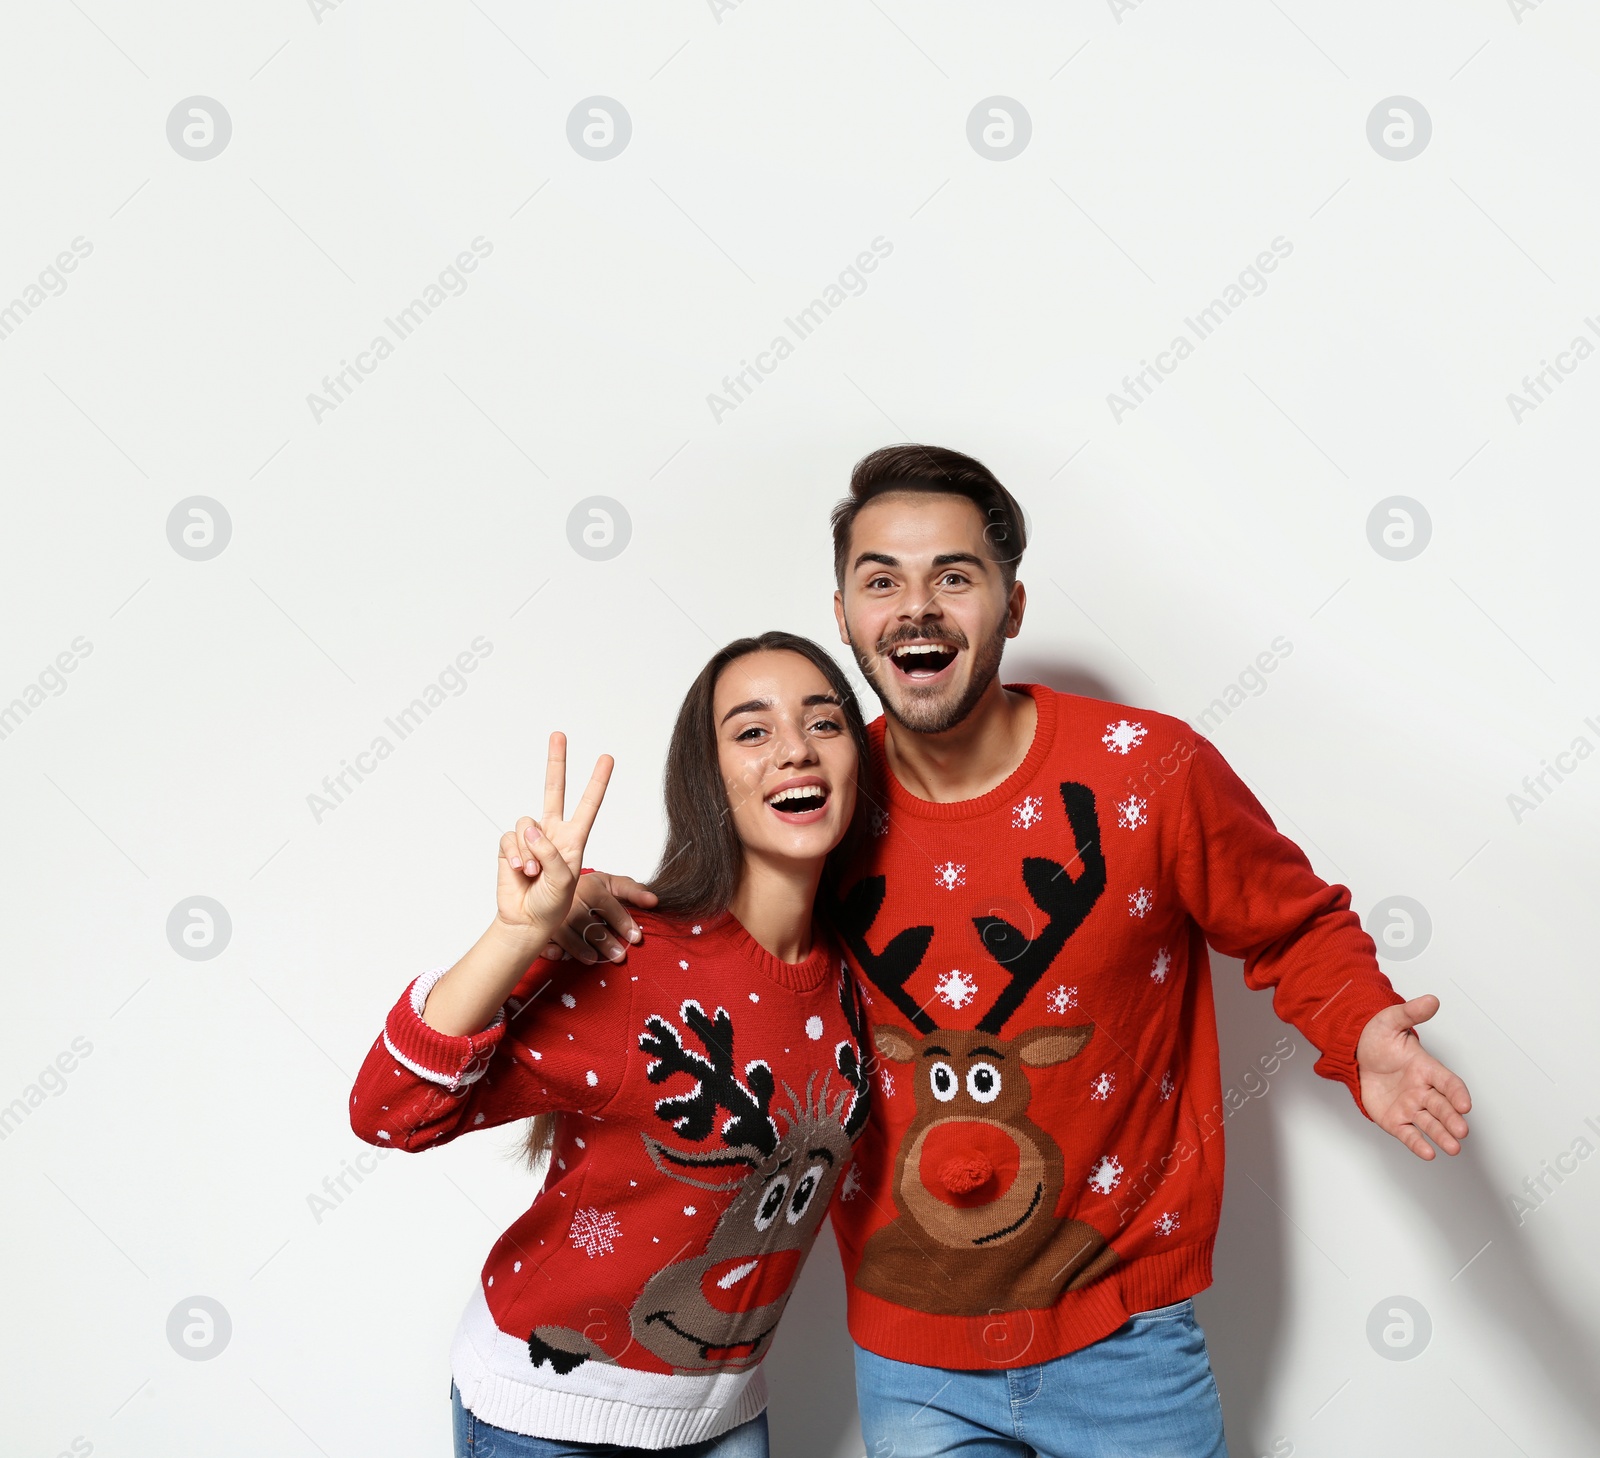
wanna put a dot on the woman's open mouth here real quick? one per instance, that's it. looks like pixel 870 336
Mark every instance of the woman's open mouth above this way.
pixel 922 663
pixel 800 802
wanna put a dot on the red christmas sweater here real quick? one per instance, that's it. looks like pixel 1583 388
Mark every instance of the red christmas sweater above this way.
pixel 1045 1153
pixel 708 1098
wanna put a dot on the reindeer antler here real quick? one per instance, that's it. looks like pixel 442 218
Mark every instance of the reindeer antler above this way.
pixel 890 969
pixel 1065 901
pixel 716 1084
pixel 848 1057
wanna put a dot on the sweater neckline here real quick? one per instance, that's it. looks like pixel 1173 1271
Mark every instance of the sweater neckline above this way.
pixel 803 976
pixel 1003 794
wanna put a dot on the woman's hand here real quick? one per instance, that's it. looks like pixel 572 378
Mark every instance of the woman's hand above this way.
pixel 540 859
pixel 539 863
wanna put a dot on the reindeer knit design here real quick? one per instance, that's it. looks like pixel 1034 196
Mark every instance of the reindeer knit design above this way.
pixel 708 1097
pixel 1019 1205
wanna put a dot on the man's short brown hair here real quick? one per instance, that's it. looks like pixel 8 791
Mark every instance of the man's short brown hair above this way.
pixel 933 470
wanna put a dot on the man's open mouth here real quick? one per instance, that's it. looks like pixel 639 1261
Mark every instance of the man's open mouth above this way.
pixel 922 662
pixel 799 801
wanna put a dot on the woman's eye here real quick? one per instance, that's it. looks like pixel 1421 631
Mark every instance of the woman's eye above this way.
pixel 831 724
pixel 754 731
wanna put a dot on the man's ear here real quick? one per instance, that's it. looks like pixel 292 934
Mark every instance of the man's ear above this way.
pixel 838 614
pixel 1016 604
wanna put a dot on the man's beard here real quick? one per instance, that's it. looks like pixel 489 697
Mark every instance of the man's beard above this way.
pixel 928 715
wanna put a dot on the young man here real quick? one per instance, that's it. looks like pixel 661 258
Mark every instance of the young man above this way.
pixel 1035 1200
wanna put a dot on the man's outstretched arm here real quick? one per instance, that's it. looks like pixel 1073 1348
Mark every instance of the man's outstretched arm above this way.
pixel 1256 897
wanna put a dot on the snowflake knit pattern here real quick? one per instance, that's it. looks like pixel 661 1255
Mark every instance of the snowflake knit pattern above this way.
pixel 708 1097
pixel 1045 1154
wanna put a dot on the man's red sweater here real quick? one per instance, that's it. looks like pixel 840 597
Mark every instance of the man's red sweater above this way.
pixel 1045 1155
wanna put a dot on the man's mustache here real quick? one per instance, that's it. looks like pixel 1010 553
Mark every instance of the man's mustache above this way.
pixel 953 636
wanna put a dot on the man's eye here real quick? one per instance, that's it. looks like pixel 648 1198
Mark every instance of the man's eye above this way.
pixel 880 582
pixel 952 579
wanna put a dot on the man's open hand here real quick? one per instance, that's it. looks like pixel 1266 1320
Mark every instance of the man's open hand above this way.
pixel 1406 1090
pixel 598 927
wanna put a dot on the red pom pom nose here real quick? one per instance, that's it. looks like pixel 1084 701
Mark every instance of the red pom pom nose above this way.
pixel 965 1174
pixel 967 1162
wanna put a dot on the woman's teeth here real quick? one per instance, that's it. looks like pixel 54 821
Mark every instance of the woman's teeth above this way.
pixel 800 797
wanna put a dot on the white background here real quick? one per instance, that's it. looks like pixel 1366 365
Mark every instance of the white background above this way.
pixel 1171 143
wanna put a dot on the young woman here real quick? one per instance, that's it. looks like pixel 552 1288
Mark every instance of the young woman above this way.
pixel 698 1104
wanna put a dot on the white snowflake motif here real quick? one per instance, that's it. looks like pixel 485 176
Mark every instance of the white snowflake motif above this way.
pixel 1161 966
pixel 1060 999
pixel 1167 1085
pixel 1027 812
pixel 1133 812
pixel 1140 902
pixel 1122 736
pixel 1106 1175
pixel 1166 1222
pixel 595 1232
pixel 1101 1085
pixel 949 875
pixel 878 821
pixel 955 988
pixel 850 1187
pixel 886 1082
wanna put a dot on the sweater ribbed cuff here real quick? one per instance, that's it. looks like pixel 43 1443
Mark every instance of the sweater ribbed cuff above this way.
pixel 1338 1060
pixel 451 1062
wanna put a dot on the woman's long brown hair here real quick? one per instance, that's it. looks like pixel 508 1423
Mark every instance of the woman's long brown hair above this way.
pixel 703 857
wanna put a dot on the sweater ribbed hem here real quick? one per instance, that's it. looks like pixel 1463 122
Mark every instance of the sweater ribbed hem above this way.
pixel 1025 1338
pixel 499 1385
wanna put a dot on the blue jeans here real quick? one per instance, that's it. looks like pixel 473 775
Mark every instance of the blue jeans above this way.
pixel 478 1439
pixel 1145 1391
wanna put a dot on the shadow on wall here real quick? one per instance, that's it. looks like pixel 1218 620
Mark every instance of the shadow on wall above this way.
pixel 1459 1199
pixel 811 1376
pixel 1021 666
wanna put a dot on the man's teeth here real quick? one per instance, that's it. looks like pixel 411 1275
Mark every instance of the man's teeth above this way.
pixel 922 649
pixel 798 792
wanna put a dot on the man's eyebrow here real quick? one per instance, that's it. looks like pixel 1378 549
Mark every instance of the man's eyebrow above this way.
pixel 944 559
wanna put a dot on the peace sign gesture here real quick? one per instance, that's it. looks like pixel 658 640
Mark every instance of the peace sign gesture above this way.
pixel 540 859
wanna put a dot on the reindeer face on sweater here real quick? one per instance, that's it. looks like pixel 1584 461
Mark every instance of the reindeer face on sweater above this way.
pixel 721 1307
pixel 717 1309
pixel 974 1172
